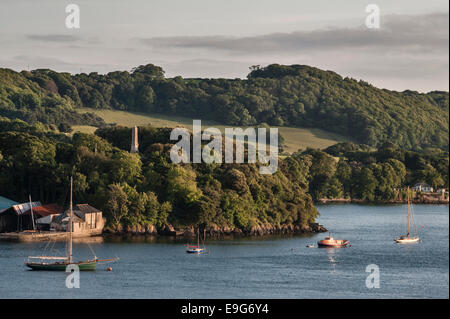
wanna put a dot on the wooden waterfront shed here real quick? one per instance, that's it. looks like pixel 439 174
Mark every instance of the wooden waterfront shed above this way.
pixel 13 218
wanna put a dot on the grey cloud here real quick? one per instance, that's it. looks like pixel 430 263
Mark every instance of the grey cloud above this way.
pixel 424 33
pixel 58 64
pixel 210 68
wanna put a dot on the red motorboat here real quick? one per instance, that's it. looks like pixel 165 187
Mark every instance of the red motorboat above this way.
pixel 332 243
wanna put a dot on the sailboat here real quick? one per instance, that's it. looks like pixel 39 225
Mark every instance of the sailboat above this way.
pixel 190 249
pixel 61 262
pixel 408 239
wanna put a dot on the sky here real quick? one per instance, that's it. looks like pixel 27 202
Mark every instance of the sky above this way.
pixel 212 38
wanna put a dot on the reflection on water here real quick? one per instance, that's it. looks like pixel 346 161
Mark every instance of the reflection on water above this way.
pixel 332 256
pixel 89 240
pixel 256 267
pixel 223 240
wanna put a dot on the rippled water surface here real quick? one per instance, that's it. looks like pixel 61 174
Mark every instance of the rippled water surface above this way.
pixel 272 267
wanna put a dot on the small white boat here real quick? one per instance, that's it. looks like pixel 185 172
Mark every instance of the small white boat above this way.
pixel 408 239
pixel 195 250
pixel 191 249
pixel 310 246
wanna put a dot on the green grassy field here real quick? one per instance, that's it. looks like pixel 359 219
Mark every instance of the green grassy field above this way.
pixel 295 138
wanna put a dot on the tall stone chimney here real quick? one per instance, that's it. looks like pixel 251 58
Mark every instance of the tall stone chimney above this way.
pixel 134 140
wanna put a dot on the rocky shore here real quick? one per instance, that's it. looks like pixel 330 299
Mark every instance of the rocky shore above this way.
pixel 423 200
pixel 216 231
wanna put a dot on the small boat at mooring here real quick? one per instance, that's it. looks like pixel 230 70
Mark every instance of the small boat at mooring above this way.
pixel 330 242
pixel 194 249
pixel 408 239
pixel 191 249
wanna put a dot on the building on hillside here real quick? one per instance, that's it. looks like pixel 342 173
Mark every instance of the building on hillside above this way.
pixel 422 187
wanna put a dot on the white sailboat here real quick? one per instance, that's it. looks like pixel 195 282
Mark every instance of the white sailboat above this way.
pixel 408 238
pixel 190 249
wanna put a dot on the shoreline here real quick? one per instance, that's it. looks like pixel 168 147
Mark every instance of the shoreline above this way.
pixel 24 237
pixel 382 202
pixel 219 232
pixel 215 232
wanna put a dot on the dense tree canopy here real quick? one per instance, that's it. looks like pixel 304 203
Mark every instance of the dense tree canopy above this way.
pixel 295 95
pixel 146 188
pixel 403 136
pixel 358 172
pixel 42 96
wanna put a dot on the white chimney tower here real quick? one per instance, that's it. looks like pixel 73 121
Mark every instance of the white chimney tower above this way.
pixel 134 140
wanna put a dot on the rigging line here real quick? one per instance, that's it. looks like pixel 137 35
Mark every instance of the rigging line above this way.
pixel 45 248
pixel 53 246
pixel 92 251
pixel 55 249
pixel 415 226
pixel 204 237
pixel 415 223
pixel 413 219
pixel 407 218
pixel 65 197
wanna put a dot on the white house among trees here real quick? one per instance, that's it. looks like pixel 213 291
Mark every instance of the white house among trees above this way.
pixel 422 187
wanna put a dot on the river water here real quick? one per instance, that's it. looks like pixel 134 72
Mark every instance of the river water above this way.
pixel 269 267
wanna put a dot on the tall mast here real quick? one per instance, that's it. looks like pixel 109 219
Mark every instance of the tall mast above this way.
pixel 408 210
pixel 70 223
pixel 32 215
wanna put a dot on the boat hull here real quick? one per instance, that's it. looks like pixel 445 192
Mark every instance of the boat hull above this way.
pixel 195 251
pixel 413 240
pixel 83 266
pixel 332 245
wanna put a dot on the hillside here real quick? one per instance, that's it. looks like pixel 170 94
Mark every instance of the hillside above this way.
pixel 146 190
pixel 38 101
pixel 293 96
pixel 294 138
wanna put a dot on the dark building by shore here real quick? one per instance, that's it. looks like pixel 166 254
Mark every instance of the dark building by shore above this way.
pixel 13 219
pixel 20 217
pixel 51 218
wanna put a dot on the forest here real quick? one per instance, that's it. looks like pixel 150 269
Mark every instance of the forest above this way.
pixel 347 170
pixel 401 139
pixel 277 95
pixel 147 189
